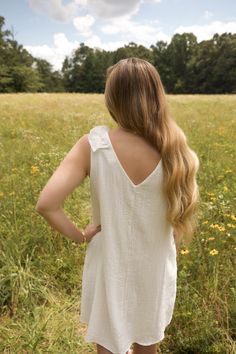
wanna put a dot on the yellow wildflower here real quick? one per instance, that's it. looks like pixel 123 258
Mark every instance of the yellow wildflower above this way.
pixel 226 188
pixel 211 238
pixel 209 193
pixel 205 222
pixel 34 169
pixel 227 215
pixel 184 251
pixel 213 252
pixel 233 217
pixel 214 226
pixel 213 198
pixel 231 225
pixel 1 194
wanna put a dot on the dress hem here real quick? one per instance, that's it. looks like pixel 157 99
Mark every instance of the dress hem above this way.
pixel 92 339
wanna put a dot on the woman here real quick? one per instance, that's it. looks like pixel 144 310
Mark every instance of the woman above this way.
pixel 144 201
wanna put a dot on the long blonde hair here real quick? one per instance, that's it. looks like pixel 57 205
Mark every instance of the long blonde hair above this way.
pixel 135 98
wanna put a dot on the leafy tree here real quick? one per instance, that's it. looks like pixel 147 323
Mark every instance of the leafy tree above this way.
pixel 185 66
pixel 132 50
pixel 178 55
pixel 20 71
pixel 50 81
pixel 160 60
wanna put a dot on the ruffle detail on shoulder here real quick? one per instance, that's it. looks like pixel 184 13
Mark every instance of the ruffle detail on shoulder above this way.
pixel 97 137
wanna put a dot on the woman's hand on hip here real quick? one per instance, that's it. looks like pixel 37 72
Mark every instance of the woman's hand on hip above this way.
pixel 90 231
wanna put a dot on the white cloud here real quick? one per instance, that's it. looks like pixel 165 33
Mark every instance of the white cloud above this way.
pixel 56 54
pixel 83 24
pixel 118 21
pixel 81 2
pixel 207 14
pixel 63 47
pixel 150 1
pixel 113 8
pixel 95 42
pixel 139 33
pixel 55 9
pixel 205 32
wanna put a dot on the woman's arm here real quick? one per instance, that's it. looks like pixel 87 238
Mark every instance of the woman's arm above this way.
pixel 60 222
pixel 69 175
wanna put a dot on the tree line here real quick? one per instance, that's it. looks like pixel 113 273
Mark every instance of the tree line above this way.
pixel 185 66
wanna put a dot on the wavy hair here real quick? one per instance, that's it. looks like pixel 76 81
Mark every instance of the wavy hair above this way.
pixel 135 98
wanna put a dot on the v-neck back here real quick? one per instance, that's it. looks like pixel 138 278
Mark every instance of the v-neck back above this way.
pixel 146 179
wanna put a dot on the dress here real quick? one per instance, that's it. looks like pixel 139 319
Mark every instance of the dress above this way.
pixel 130 269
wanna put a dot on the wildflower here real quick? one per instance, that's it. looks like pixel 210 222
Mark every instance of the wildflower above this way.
pixel 184 251
pixel 205 222
pixel 231 225
pixel 233 217
pixel 34 169
pixel 213 252
pixel 213 199
pixel 1 194
pixel 209 193
pixel 214 226
pixel 227 215
pixel 211 238
pixel 226 189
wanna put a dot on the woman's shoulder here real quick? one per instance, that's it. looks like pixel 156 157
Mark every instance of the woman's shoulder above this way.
pixel 97 137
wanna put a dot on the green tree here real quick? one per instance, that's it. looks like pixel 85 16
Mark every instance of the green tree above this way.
pixel 20 71
pixel 51 81
pixel 178 57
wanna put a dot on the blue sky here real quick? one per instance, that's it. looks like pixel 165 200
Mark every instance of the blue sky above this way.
pixel 51 29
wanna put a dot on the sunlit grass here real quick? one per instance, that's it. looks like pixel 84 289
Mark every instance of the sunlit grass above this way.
pixel 41 271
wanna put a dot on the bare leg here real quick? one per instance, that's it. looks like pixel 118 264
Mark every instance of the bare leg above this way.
pixel 102 350
pixel 144 349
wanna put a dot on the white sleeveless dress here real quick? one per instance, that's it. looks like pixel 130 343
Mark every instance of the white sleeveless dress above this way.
pixel 130 270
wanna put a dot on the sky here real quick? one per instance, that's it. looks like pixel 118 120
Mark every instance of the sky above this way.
pixel 51 29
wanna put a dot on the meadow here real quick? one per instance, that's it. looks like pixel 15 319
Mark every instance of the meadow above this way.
pixel 41 270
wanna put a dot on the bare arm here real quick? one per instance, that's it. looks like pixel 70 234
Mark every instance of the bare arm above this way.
pixel 69 175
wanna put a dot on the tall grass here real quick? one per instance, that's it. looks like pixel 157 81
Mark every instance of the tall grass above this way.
pixel 41 271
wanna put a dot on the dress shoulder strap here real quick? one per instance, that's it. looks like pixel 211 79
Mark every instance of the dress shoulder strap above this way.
pixel 97 137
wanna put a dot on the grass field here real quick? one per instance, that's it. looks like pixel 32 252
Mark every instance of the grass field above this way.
pixel 41 271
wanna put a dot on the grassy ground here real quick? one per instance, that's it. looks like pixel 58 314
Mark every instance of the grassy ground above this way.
pixel 41 271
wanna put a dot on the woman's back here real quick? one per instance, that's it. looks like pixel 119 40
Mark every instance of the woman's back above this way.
pixel 129 276
pixel 137 156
